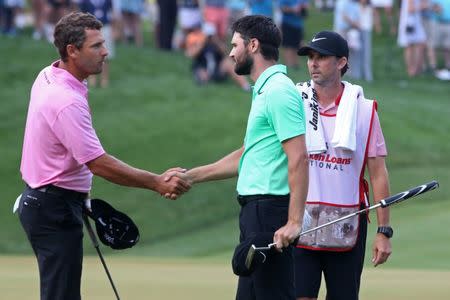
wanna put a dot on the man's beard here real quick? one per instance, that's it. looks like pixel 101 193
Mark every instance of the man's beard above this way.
pixel 245 67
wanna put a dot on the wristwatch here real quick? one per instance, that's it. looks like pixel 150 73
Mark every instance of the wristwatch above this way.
pixel 386 230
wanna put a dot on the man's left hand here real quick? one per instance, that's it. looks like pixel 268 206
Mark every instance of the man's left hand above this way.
pixel 381 249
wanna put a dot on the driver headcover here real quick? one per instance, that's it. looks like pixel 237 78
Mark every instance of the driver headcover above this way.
pixel 114 228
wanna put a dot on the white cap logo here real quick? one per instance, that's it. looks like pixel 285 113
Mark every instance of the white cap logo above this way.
pixel 318 39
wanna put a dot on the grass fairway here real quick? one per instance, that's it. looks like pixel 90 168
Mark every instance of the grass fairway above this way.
pixel 200 279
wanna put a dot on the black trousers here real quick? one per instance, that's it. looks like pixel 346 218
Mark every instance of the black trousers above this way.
pixel 167 21
pixel 52 220
pixel 342 270
pixel 275 279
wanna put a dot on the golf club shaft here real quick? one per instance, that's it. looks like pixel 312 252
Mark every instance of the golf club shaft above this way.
pixel 268 247
pixel 340 219
pixel 107 272
pixel 97 248
pixel 383 203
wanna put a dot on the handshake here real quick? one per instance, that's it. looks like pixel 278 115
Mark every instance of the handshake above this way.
pixel 177 181
pixel 174 182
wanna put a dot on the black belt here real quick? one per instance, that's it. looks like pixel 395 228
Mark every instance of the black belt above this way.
pixel 244 200
pixel 59 191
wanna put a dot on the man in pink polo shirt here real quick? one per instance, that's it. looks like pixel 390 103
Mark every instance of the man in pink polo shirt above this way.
pixel 351 139
pixel 61 153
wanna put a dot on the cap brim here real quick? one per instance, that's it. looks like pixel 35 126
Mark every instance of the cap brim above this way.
pixel 303 51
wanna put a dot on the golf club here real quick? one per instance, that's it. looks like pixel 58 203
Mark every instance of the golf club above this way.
pixel 383 203
pixel 96 246
pixel 252 251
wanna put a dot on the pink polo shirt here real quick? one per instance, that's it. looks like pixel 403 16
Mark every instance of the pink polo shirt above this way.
pixel 377 145
pixel 59 138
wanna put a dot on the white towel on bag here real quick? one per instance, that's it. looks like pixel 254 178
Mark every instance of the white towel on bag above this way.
pixel 344 136
pixel 315 142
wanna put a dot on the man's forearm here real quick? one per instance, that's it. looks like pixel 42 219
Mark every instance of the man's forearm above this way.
pixel 379 180
pixel 298 175
pixel 380 187
pixel 116 171
pixel 227 167
pixel 298 184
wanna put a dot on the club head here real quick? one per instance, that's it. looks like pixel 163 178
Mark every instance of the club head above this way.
pixel 252 251
pixel 249 258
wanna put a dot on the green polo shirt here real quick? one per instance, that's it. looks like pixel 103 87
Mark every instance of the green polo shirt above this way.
pixel 276 115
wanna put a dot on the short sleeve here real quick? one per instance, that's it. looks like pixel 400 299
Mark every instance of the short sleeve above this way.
pixel 285 112
pixel 377 145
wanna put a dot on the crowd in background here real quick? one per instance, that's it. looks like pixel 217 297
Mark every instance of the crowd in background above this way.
pixel 200 28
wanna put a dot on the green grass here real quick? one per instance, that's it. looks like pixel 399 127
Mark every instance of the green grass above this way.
pixel 154 117
pixel 199 279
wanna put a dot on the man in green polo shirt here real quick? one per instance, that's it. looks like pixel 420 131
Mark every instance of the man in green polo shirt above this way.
pixel 272 165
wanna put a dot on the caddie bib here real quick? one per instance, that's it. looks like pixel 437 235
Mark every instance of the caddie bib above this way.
pixel 338 188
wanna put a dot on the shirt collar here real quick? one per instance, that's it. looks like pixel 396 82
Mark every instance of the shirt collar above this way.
pixel 262 79
pixel 338 98
pixel 64 76
pixel 333 104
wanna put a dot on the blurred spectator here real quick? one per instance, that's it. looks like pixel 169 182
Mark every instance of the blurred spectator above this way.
pixel 429 18
pixel 339 24
pixel 352 18
pixel 166 23
pixel 216 12
pixel 131 14
pixel 189 18
pixel 40 14
pixel 2 11
pixel 443 74
pixel 443 36
pixel 387 7
pixel 324 5
pixel 209 62
pixel 358 16
pixel 11 8
pixel 261 7
pixel 2 15
pixel 117 25
pixel 411 35
pixel 102 10
pixel 57 9
pixel 237 9
pixel 293 13
pixel 366 25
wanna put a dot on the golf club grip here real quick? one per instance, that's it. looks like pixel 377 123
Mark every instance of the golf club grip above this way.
pixel 409 193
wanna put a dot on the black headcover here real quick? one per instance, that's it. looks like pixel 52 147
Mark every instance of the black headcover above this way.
pixel 114 228
pixel 241 253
